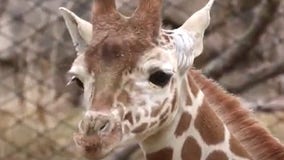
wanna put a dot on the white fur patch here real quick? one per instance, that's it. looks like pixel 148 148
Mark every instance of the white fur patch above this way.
pixel 79 67
pixel 184 43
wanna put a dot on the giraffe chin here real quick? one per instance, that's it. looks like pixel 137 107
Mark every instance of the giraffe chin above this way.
pixel 99 145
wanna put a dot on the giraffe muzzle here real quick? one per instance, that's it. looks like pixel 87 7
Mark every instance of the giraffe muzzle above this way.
pixel 97 134
pixel 94 124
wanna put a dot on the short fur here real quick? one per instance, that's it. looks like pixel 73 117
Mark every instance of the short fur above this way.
pixel 254 138
pixel 177 121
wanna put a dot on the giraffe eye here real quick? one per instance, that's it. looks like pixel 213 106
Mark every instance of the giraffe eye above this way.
pixel 160 78
pixel 77 81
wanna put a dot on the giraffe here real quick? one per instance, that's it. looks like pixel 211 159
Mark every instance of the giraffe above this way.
pixel 139 86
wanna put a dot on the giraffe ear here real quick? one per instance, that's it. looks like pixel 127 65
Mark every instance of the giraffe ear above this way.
pixel 79 29
pixel 196 25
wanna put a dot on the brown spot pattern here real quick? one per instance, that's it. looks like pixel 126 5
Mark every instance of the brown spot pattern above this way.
pixel 140 128
pixel 174 105
pixel 165 114
pixel 137 117
pixel 237 149
pixel 190 150
pixel 172 84
pixel 126 129
pixel 163 154
pixel 146 113
pixel 158 109
pixel 217 155
pixel 152 124
pixel 209 125
pixel 163 118
pixel 129 117
pixel 188 98
pixel 244 126
pixel 162 121
pixel 166 37
pixel 183 124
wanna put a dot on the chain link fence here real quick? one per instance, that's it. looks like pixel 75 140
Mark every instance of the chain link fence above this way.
pixel 38 113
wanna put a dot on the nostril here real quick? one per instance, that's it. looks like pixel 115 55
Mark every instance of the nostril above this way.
pixel 83 128
pixel 95 124
pixel 104 127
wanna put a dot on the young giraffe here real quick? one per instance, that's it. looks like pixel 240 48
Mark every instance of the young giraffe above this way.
pixel 136 87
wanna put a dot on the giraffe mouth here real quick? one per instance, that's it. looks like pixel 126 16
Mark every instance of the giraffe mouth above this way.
pixel 98 144
pixel 90 146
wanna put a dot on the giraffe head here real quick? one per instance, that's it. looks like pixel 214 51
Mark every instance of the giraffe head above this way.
pixel 130 70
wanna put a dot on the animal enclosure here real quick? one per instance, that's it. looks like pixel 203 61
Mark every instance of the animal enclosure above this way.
pixel 38 112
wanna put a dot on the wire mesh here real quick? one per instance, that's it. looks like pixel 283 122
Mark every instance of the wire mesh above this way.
pixel 38 114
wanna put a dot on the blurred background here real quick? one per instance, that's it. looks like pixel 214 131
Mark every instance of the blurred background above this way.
pixel 38 113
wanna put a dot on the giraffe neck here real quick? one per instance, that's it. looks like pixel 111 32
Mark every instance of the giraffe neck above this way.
pixel 255 139
pixel 195 132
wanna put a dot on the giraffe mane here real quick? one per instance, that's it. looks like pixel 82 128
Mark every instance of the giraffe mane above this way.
pixel 258 142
